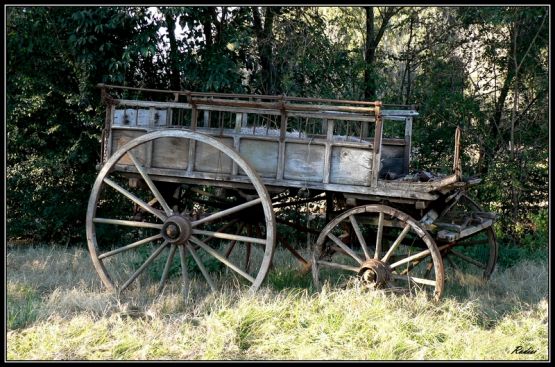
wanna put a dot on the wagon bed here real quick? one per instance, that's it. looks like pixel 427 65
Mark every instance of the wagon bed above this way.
pixel 289 141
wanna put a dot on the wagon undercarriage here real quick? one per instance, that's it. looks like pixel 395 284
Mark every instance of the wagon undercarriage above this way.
pixel 201 183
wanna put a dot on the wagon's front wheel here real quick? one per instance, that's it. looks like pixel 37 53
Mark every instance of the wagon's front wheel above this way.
pixel 131 248
pixel 382 247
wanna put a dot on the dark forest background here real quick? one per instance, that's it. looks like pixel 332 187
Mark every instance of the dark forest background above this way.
pixel 482 68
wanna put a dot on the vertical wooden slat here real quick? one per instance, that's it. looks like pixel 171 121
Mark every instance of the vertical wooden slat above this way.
pixel 192 143
pixel 408 142
pixel 238 122
pixel 281 148
pixel 206 119
pixel 376 161
pixel 327 152
pixel 112 115
pixel 364 130
pixel 457 168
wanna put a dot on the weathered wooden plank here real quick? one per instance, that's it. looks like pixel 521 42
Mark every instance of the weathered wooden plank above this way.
pixel 327 154
pixel 420 186
pixel 120 137
pixel 304 162
pixel 262 155
pixel 210 159
pixel 343 116
pixel 170 153
pixel 376 159
pixel 149 104
pixel 400 113
pixel 228 180
pixel 350 166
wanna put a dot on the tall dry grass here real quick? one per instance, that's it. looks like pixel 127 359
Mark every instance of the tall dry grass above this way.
pixel 57 309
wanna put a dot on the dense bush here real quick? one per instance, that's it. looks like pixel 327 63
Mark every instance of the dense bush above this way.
pixel 484 69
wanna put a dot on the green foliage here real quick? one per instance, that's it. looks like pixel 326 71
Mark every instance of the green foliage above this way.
pixel 484 69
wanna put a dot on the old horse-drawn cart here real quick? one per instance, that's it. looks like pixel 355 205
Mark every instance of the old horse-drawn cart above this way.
pixel 191 182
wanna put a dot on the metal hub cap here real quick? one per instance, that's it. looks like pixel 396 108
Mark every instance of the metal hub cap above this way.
pixel 176 229
pixel 375 273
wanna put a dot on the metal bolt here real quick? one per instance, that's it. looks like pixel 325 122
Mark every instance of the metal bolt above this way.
pixel 172 231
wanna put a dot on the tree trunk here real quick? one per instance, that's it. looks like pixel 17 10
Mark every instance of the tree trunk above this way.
pixel 369 55
pixel 175 78
pixel 271 83
pixel 207 26
pixel 373 39
pixel 488 152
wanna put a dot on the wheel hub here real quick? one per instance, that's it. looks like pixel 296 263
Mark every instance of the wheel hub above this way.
pixel 176 229
pixel 375 273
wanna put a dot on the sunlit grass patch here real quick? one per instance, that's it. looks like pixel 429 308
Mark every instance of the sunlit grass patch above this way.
pixel 71 316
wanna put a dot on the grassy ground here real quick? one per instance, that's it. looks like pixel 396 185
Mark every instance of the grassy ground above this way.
pixel 58 310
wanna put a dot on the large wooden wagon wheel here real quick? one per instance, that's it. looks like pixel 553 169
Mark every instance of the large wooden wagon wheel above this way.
pixel 126 251
pixel 475 253
pixel 389 250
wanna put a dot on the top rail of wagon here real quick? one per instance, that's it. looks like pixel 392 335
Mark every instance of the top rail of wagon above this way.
pixel 282 97
pixel 271 104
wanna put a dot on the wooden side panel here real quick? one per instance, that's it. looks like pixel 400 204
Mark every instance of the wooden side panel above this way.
pixel 304 162
pixel 262 155
pixel 125 117
pixel 210 159
pixel 142 117
pixel 393 159
pixel 121 137
pixel 350 166
pixel 170 153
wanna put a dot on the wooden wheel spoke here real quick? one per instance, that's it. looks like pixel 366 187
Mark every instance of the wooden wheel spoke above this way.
pixel 221 258
pixel 150 259
pixel 416 256
pixel 226 212
pixel 338 266
pixel 379 236
pixel 150 184
pixel 345 248
pixel 135 199
pixel 223 228
pixel 130 246
pixel 468 259
pixel 228 236
pixel 129 223
pixel 202 268
pixel 167 267
pixel 396 243
pixel 360 237
pixel 234 242
pixel 248 252
pixel 184 270
pixel 414 279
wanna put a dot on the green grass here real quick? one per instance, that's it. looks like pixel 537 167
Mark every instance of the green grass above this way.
pixel 58 310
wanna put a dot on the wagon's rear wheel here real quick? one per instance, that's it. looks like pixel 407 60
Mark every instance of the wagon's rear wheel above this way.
pixel 475 254
pixel 129 249
pixel 381 246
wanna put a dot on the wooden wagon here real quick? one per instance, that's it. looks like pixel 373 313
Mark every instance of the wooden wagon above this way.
pixel 206 175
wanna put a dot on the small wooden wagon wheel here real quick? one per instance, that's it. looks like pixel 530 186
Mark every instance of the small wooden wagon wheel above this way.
pixel 477 252
pixel 390 250
pixel 163 234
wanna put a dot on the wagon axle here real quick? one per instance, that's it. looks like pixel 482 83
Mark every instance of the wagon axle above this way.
pixel 375 273
pixel 177 229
